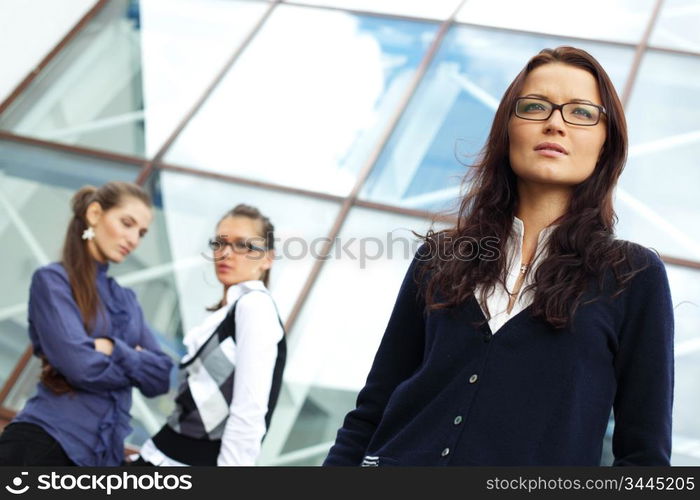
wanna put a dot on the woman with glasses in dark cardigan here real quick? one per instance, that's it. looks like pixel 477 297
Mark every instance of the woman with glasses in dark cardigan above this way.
pixel 518 330
pixel 92 339
pixel 231 375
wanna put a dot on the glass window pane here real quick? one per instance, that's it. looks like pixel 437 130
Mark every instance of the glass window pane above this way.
pixel 685 289
pixel 337 334
pixel 132 73
pixel 657 194
pixel 598 19
pixel 307 112
pixel 448 119
pixel 677 26
pixel 434 9
pixel 37 26
pixel 686 434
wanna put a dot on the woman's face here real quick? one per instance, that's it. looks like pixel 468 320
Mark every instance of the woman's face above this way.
pixel 530 158
pixel 243 264
pixel 118 231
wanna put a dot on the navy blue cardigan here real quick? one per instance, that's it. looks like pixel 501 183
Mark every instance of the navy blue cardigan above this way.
pixel 444 392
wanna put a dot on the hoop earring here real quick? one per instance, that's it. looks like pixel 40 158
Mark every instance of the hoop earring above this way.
pixel 89 233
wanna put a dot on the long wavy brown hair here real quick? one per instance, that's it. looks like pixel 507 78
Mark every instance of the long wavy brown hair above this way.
pixel 80 265
pixel 582 248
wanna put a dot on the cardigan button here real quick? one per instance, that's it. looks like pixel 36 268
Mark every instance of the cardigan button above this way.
pixel 445 452
pixel 458 420
pixel 473 378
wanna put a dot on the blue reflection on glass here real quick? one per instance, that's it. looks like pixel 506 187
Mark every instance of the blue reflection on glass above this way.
pixel 59 169
pixel 403 45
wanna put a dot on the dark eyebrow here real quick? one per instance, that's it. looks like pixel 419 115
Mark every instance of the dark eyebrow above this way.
pixel 584 101
pixel 224 236
pixel 143 231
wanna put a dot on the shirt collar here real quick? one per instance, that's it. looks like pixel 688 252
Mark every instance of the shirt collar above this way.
pixel 515 245
pixel 235 291
pixel 519 229
pixel 102 268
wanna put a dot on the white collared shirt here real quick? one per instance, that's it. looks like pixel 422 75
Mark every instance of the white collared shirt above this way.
pixel 499 299
pixel 257 334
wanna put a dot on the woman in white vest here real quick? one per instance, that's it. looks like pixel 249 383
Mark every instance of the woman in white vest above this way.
pixel 231 375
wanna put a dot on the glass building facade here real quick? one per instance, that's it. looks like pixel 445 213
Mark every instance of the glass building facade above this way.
pixel 351 124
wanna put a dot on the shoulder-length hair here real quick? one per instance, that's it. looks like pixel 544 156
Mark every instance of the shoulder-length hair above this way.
pixel 581 248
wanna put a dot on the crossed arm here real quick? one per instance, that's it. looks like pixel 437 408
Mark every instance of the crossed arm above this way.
pixel 88 363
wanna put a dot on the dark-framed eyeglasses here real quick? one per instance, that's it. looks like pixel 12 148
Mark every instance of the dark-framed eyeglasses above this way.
pixel 573 113
pixel 238 246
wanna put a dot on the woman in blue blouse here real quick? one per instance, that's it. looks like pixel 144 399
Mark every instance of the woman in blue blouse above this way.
pixel 516 332
pixel 92 339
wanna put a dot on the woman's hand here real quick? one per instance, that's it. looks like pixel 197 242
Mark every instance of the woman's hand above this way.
pixel 104 345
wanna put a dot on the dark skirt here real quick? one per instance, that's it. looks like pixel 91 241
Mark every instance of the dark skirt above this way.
pixel 22 443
